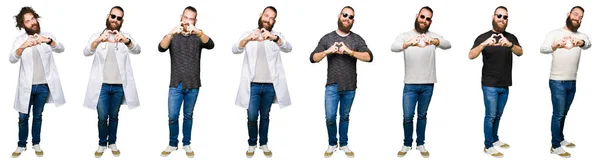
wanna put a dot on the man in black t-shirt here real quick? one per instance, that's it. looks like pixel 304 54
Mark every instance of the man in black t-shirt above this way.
pixel 497 47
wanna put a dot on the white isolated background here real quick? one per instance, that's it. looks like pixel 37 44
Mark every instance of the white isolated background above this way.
pixel 298 134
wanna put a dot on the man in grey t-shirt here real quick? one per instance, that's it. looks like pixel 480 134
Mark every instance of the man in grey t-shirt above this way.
pixel 342 48
pixel 418 45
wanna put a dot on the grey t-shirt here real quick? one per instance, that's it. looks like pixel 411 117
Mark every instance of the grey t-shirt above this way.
pixel 262 73
pixel 341 68
pixel 39 77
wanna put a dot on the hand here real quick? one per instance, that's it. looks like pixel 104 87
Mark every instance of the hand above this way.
pixel 30 42
pixel 577 42
pixel 42 39
pixel 267 35
pixel 103 37
pixel 119 38
pixel 343 49
pixel 504 42
pixel 490 41
pixel 177 29
pixel 253 36
pixel 413 42
pixel 561 43
pixel 193 30
pixel 333 49
pixel 432 41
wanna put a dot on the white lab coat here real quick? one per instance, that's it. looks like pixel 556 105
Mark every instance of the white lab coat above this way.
pixel 26 72
pixel 272 50
pixel 97 72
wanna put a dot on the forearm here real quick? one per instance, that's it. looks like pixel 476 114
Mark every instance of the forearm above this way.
pixel 474 53
pixel 362 56
pixel 317 57
pixel 517 50
pixel 166 41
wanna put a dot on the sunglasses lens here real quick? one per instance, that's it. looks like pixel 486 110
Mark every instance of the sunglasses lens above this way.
pixel 345 15
pixel 351 17
pixel 112 16
pixel 505 17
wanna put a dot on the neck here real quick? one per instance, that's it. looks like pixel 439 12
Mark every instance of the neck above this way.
pixel 341 33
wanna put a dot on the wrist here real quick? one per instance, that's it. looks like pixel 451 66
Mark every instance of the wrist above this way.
pixel 276 39
pixel 128 42
pixel 49 41
pixel 582 43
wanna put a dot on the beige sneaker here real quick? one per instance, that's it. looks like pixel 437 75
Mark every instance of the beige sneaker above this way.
pixel 403 151
pixel 493 152
pixel 38 150
pixel 424 152
pixel 501 145
pixel 560 152
pixel 115 151
pixel 347 151
pixel 330 150
pixel 18 152
pixel 268 153
pixel 250 151
pixel 100 151
pixel 188 151
pixel 168 151
pixel 567 144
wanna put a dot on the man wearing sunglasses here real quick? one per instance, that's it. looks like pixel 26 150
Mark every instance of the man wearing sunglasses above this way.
pixel 111 81
pixel 565 44
pixel 419 47
pixel 38 77
pixel 263 80
pixel 497 47
pixel 185 43
pixel 342 48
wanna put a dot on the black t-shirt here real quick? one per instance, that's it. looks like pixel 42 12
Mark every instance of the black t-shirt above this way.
pixel 497 61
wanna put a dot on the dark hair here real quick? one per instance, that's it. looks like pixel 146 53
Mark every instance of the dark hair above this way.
pixel 19 17
pixel 427 8
pixel 118 8
pixel 500 7
pixel 577 7
pixel 191 9
pixel 272 8
pixel 347 7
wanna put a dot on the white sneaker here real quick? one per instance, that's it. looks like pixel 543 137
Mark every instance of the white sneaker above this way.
pixel 567 144
pixel 501 144
pixel 423 151
pixel 18 152
pixel 115 151
pixel 188 151
pixel 268 153
pixel 403 151
pixel 168 151
pixel 560 152
pixel 347 151
pixel 100 151
pixel 330 150
pixel 493 152
pixel 250 151
pixel 38 150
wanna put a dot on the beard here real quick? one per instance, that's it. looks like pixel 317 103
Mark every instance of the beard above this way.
pixel 497 27
pixel 35 29
pixel 572 26
pixel 343 28
pixel 418 27
pixel 110 27
pixel 261 24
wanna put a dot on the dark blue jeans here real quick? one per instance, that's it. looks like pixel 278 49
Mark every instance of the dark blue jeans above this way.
pixel 188 97
pixel 109 103
pixel 39 95
pixel 494 99
pixel 344 99
pixel 563 93
pixel 261 98
pixel 413 95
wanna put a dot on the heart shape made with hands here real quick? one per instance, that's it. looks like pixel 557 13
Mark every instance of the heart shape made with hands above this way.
pixel 421 40
pixel 111 37
pixel 338 44
pixel 260 34
pixel 497 37
pixel 568 42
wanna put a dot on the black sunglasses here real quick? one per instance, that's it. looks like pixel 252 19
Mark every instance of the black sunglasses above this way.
pixel 502 16
pixel 345 15
pixel 426 18
pixel 113 16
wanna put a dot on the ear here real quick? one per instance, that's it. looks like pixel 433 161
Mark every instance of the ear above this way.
pixel 107 16
pixel 417 15
pixel 260 15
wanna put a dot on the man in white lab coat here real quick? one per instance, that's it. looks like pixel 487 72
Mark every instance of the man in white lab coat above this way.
pixel 111 80
pixel 263 80
pixel 38 77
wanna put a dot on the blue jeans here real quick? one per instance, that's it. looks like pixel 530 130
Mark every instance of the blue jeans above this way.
pixel 344 99
pixel 109 103
pixel 414 94
pixel 188 97
pixel 261 98
pixel 39 95
pixel 563 93
pixel 494 99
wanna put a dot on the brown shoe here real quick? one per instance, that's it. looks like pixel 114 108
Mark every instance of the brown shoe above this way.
pixel 100 151
pixel 268 153
pixel 18 152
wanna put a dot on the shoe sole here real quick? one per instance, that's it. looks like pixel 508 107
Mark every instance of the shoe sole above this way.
pixel 566 155
pixel 39 154
pixel 498 155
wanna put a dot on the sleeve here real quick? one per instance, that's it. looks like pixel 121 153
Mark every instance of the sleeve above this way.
pixel 480 39
pixel 135 49
pixel 546 47
pixel 398 45
pixel 87 50
pixel 363 48
pixel 444 44
pixel 587 43
pixel 285 45
pixel 322 46
pixel 13 58
pixel 236 49
pixel 208 45
pixel 59 48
